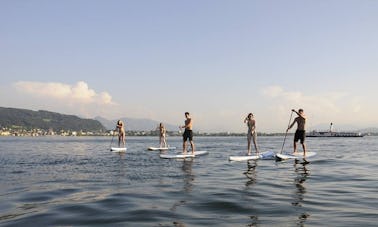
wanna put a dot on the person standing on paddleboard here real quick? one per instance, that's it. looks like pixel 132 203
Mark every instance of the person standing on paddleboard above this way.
pixel 251 134
pixel 188 133
pixel 162 135
pixel 121 133
pixel 300 133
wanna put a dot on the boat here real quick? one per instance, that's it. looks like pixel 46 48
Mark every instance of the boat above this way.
pixel 332 133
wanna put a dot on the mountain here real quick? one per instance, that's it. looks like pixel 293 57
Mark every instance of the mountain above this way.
pixel 29 119
pixel 135 124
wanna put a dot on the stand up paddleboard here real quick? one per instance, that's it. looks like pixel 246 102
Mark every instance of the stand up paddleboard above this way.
pixel 118 149
pixel 298 155
pixel 161 148
pixel 187 155
pixel 264 155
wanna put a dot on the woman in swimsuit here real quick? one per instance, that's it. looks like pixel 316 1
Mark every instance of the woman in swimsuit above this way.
pixel 121 133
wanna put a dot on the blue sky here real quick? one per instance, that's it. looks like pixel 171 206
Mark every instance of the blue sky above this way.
pixel 216 59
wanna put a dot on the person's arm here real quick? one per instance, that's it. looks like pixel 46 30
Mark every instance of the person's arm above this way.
pixel 295 112
pixel 299 115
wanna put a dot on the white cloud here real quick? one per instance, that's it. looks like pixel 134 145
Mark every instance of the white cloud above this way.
pixel 78 93
pixel 78 99
pixel 335 106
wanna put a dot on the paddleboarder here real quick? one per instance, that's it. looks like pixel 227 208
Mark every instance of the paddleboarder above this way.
pixel 121 133
pixel 300 133
pixel 188 133
pixel 251 134
pixel 162 135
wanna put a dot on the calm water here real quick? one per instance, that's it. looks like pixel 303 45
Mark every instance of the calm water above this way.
pixel 76 181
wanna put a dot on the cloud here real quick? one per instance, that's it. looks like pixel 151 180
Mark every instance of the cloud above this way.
pixel 78 93
pixel 326 101
pixel 321 108
pixel 78 99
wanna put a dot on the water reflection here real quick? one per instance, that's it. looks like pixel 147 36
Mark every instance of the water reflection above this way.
pixel 178 224
pixel 251 173
pixel 188 178
pixel 251 176
pixel 254 222
pixel 302 173
pixel 121 173
pixel 188 175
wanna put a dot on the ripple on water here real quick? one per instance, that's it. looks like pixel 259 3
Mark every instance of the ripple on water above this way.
pixel 76 181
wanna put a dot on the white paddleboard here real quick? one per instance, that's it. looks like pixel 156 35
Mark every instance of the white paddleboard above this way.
pixel 243 158
pixel 298 155
pixel 118 149
pixel 187 155
pixel 264 155
pixel 161 148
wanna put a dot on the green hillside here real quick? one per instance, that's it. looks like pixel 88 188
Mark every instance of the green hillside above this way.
pixel 29 119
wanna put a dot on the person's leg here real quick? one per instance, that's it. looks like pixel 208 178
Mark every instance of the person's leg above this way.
pixel 184 147
pixel 192 145
pixel 302 138
pixel 191 141
pixel 304 148
pixel 255 142
pixel 295 146
pixel 164 141
pixel 184 136
pixel 296 139
pixel 249 144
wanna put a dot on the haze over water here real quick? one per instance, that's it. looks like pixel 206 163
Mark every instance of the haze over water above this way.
pixel 77 181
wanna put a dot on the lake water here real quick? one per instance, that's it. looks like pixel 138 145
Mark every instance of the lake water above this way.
pixel 77 181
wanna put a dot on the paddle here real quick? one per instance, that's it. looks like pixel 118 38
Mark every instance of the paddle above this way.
pixel 283 144
pixel 110 146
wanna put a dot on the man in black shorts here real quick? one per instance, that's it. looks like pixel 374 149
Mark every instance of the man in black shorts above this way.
pixel 188 133
pixel 300 134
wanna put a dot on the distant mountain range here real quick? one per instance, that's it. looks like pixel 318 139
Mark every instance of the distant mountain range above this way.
pixel 135 124
pixel 41 119
pixel 29 119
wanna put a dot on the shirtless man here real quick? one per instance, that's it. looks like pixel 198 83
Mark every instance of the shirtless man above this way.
pixel 121 133
pixel 300 133
pixel 162 135
pixel 251 123
pixel 188 133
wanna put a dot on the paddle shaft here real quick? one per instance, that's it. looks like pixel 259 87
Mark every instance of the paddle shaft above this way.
pixel 283 144
pixel 110 146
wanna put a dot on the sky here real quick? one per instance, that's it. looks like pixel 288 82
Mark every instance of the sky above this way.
pixel 217 59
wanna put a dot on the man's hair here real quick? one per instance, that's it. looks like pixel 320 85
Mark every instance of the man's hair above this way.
pixel 300 110
pixel 186 113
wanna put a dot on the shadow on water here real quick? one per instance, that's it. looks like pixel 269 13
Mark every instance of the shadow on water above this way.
pixel 301 174
pixel 188 178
